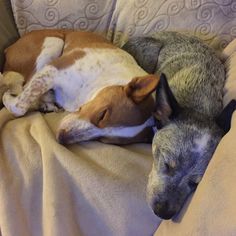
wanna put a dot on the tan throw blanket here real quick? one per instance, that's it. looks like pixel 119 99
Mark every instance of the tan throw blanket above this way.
pixel 97 189
pixel 87 189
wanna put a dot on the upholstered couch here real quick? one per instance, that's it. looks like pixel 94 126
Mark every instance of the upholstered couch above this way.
pixel 94 188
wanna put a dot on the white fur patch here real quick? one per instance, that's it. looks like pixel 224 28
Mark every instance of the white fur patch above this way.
pixel 127 132
pixel 80 82
pixel 82 130
pixel 201 143
pixel 51 49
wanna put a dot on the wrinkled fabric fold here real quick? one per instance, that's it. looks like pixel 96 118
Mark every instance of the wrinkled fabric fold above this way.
pixel 81 189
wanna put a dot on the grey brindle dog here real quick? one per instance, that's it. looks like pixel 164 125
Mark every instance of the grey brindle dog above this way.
pixel 188 100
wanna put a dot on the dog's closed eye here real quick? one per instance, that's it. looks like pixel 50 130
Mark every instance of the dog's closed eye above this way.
pixel 102 116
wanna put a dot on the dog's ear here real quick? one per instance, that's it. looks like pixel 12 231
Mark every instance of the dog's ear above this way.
pixel 224 119
pixel 167 106
pixel 140 88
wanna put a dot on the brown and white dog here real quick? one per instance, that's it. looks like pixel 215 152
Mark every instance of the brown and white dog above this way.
pixel 107 94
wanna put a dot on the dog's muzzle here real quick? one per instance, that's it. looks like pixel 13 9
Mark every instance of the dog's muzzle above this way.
pixel 73 129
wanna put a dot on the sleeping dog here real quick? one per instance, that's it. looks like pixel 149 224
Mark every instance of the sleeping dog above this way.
pixel 107 94
pixel 188 99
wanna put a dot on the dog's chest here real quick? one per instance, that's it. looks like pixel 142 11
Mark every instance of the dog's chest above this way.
pixel 80 82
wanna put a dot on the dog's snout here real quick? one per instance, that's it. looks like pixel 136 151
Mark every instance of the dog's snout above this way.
pixel 163 210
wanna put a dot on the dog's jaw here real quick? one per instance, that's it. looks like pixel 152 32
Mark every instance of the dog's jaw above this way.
pixel 72 130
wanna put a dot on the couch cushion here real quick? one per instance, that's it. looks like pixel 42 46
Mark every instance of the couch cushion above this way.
pixel 202 18
pixel 230 65
pixel 122 19
pixel 8 32
pixel 73 14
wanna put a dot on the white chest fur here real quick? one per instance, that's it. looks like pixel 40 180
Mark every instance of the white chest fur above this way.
pixel 99 68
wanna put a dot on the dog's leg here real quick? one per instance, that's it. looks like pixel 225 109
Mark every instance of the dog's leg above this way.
pixel 52 49
pixel 39 84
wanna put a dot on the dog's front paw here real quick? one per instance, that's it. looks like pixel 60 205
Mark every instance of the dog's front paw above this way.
pixel 10 103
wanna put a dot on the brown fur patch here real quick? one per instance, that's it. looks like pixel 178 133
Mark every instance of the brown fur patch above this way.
pixel 22 55
pixel 68 59
pixel 82 39
pixel 118 107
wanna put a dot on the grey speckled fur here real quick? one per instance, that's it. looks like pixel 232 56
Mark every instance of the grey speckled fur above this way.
pixel 183 147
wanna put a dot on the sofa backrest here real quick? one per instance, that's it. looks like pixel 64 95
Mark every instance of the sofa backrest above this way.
pixel 120 19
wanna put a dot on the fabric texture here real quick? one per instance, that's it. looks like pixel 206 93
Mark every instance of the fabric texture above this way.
pixel 73 14
pixel 8 31
pixel 87 189
pixel 212 20
pixel 120 19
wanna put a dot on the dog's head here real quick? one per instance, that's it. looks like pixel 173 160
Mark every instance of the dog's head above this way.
pixel 117 114
pixel 182 149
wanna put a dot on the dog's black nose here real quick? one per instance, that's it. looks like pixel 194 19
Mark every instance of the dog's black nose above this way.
pixel 163 210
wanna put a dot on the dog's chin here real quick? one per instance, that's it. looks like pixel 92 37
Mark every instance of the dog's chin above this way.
pixel 165 216
pixel 71 139
pixel 116 140
pixel 65 139
pixel 68 138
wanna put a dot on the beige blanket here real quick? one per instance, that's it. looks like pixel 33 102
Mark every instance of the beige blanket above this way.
pixel 87 189
pixel 97 189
